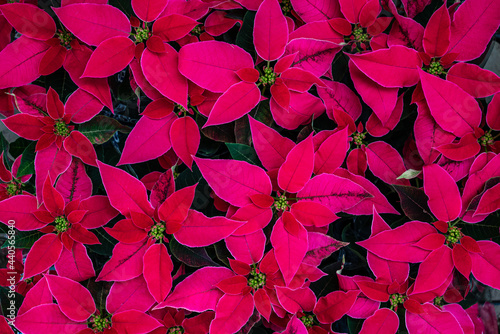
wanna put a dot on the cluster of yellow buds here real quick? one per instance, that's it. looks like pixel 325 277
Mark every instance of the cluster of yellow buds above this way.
pixel 62 224
pixel 99 323
pixel 307 320
pixel 453 235
pixel 269 76
pixel 257 280
pixel 157 231
pixel 281 203
pixel 61 128
pixel 141 34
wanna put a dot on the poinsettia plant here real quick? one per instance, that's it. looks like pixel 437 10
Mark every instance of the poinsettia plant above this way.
pixel 249 166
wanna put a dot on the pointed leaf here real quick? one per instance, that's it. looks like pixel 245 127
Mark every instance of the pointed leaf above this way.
pixel 402 62
pixel 337 95
pixel 20 62
pixel 134 322
pixel 434 271
pixel 212 64
pixel 298 167
pixel 148 10
pixel 247 248
pixel 129 295
pixel 312 214
pixel 149 139
pixel 444 197
pixel 80 146
pixel 334 192
pixel 101 128
pixel 198 292
pixel 270 32
pixel 174 26
pixel 414 203
pixel 385 163
pixel 297 300
pixel 75 301
pixel 44 253
pixel 82 107
pixel 473 25
pixel 232 312
pixel 157 271
pixel 399 244
pixel 333 306
pixel 125 264
pixel 191 256
pixel 331 153
pixel 74 64
pixel 75 264
pixel 432 319
pixel 382 321
pixel 289 249
pixel 29 20
pixel 161 71
pixel 50 318
pixel 314 56
pixel 381 99
pixel 490 201
pixel 455 111
pixel 271 147
pixel 485 265
pixel 320 247
pixel 74 183
pixel 185 138
pixel 236 102
pixel 126 193
pixel 94 23
pixel 474 80
pixel 437 33
pixel 234 181
pixel 316 10
pixel 200 231
pixel 110 57
pixel 20 209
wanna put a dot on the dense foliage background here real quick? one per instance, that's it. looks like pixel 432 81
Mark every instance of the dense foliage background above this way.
pixel 249 166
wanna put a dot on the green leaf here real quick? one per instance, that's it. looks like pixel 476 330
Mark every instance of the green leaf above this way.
pixel 263 113
pixel 27 165
pixel 101 128
pixel 191 256
pixel 18 146
pixel 222 252
pixel 414 203
pixel 409 174
pixel 188 178
pixel 244 39
pixel 25 239
pixel 6 295
pixel 354 325
pixel 485 230
pixel 242 131
pixel 4 147
pixel 222 133
pixel 243 152
pixel 107 242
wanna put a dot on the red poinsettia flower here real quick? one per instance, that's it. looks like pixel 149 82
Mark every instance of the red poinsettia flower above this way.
pixel 63 242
